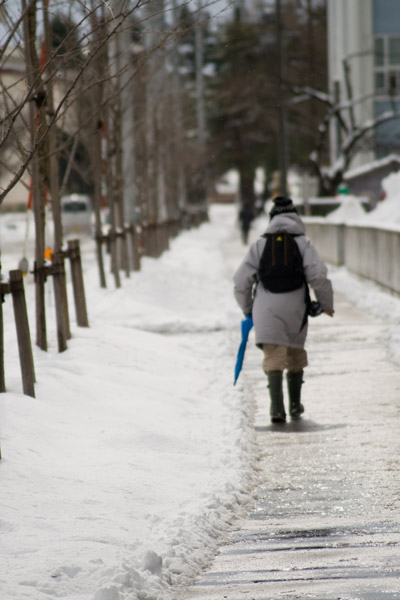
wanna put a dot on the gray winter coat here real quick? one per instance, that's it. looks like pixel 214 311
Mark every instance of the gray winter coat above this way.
pixel 278 317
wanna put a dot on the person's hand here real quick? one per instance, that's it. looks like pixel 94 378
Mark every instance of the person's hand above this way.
pixel 330 313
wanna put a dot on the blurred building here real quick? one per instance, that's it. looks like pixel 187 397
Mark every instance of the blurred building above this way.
pixel 13 86
pixel 15 133
pixel 367 33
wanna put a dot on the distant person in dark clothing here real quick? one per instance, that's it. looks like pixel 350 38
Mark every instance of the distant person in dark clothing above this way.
pixel 246 215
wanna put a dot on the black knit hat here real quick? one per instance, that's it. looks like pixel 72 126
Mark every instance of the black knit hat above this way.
pixel 282 205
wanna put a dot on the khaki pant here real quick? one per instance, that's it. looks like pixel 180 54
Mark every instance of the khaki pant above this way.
pixel 278 358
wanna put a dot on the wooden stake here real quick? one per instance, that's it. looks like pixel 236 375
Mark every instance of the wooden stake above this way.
pixel 74 255
pixel 134 243
pixel 23 333
pixel 4 289
pixel 60 298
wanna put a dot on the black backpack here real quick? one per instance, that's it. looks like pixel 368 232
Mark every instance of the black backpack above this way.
pixel 281 264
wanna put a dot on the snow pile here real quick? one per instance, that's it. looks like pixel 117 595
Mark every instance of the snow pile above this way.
pixel 350 210
pixel 387 212
pixel 370 296
pixel 391 185
pixel 120 478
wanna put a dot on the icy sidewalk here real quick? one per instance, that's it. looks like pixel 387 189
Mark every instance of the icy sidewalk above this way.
pixel 326 521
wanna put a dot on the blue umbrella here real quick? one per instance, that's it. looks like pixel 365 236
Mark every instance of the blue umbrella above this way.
pixel 246 327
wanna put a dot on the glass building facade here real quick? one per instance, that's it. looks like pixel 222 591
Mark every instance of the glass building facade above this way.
pixel 386 33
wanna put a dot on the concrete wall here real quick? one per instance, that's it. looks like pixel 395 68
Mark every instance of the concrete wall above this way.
pixel 328 238
pixel 365 251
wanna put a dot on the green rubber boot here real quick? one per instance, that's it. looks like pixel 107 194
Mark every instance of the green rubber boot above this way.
pixel 294 382
pixel 277 408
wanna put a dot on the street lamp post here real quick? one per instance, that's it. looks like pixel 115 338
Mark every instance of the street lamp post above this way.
pixel 282 145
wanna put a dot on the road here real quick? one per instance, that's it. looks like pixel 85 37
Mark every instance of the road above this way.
pixel 325 523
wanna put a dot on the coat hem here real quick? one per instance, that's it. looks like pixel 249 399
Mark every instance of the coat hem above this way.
pixel 275 343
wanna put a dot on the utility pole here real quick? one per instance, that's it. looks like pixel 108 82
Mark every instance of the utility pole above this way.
pixel 155 201
pixel 97 126
pixel 179 203
pixel 201 184
pixel 199 51
pixel 283 149
pixel 124 54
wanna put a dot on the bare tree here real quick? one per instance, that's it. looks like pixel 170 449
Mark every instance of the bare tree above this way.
pixel 96 93
pixel 351 132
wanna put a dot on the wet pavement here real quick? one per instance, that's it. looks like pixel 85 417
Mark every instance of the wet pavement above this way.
pixel 326 520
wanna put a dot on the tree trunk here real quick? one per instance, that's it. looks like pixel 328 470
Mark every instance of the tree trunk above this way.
pixel 36 121
pixel 59 282
pixel 97 98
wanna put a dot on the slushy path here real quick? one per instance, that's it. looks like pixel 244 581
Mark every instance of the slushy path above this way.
pixel 326 522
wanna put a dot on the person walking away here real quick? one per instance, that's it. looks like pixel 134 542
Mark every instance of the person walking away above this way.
pixel 246 215
pixel 280 316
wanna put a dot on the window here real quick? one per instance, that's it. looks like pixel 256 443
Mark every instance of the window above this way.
pixel 379 52
pixel 394 51
pixel 387 64
pixel 379 81
pixel 75 206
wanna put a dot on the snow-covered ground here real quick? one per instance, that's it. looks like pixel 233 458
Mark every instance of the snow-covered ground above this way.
pixel 120 478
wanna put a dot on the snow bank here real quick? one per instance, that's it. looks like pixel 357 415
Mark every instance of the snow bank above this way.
pixel 371 297
pixel 350 210
pixel 387 212
pixel 120 478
